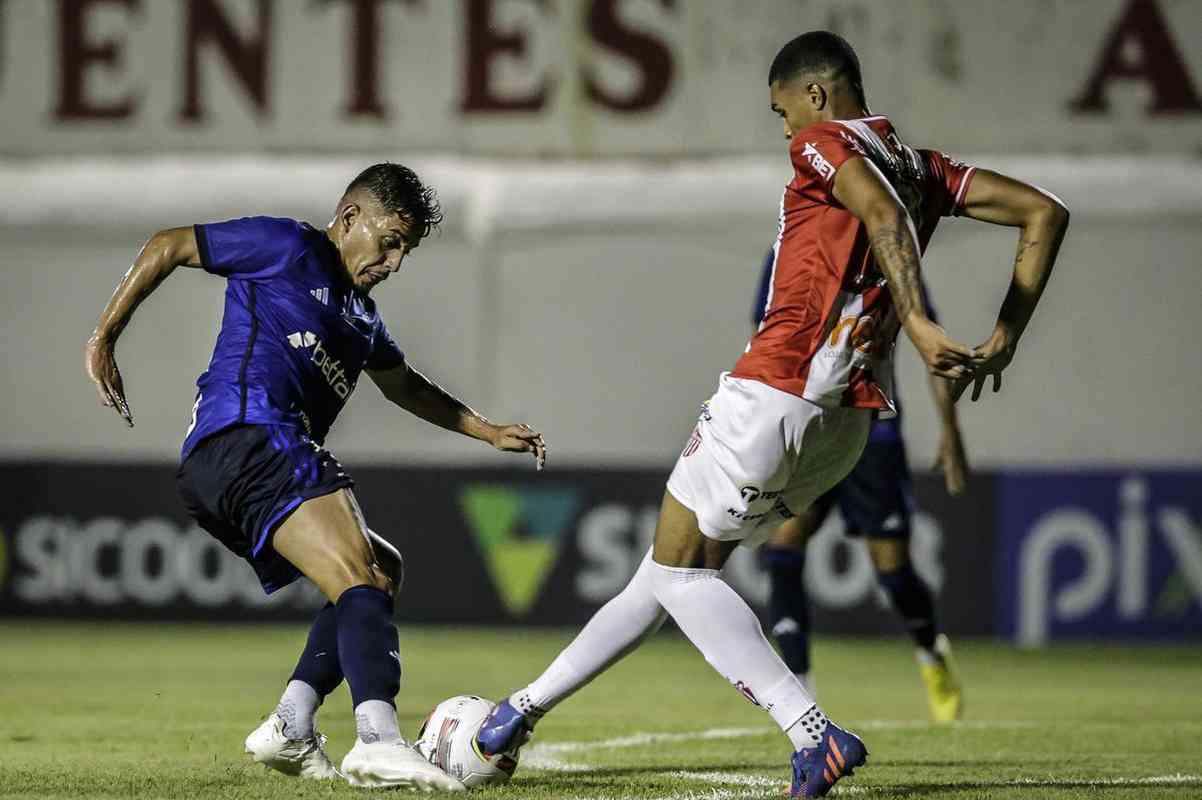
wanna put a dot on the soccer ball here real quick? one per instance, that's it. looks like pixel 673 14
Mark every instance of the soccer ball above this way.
pixel 447 739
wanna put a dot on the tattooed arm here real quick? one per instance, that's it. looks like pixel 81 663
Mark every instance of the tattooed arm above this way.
pixel 865 192
pixel 1042 220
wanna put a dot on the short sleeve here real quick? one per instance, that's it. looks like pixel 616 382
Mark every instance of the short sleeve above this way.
pixel 385 353
pixel 950 179
pixel 817 153
pixel 249 248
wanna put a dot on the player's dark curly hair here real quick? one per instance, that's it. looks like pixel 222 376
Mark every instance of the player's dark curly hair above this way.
pixel 397 188
pixel 817 52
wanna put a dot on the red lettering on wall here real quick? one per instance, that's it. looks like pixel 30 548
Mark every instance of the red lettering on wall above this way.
pixel 76 54
pixel 1159 64
pixel 248 59
pixel 364 47
pixel 484 43
pixel 652 56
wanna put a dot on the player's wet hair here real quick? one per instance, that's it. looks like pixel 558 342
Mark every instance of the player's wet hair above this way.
pixel 398 189
pixel 818 52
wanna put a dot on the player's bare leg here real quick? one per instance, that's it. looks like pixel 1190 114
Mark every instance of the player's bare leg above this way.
pixel 912 600
pixel 327 540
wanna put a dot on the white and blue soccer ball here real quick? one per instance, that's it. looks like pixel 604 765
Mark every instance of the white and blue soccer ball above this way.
pixel 447 739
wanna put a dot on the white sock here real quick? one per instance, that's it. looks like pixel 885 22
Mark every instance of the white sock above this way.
pixel 729 635
pixel 375 721
pixel 298 709
pixel 616 629
pixel 807 731
pixel 928 658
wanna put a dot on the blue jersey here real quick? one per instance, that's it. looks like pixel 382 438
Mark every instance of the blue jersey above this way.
pixel 295 335
pixel 883 430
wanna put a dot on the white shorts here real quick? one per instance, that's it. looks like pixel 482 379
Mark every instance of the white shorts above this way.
pixel 759 456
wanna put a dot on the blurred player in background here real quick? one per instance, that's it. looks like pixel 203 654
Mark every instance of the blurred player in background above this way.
pixel 790 421
pixel 299 328
pixel 876 503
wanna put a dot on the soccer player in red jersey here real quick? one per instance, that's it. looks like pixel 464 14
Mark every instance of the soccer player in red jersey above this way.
pixel 792 418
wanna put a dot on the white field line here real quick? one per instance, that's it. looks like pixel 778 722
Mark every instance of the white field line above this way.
pixel 766 786
pixel 544 757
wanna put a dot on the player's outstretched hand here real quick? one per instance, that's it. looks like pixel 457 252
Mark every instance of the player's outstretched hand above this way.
pixel 944 357
pixel 991 358
pixel 521 439
pixel 101 363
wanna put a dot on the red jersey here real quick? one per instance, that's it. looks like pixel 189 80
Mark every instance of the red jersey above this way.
pixel 830 326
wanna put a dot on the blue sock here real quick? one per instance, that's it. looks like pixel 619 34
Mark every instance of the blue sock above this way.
pixel 913 601
pixel 788 605
pixel 368 648
pixel 318 665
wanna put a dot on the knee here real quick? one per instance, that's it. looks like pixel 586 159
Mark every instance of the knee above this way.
pixel 387 560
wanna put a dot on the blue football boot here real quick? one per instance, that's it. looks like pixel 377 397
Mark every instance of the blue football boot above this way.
pixel 817 769
pixel 504 730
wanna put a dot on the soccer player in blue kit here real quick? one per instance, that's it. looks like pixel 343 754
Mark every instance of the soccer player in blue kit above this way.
pixel 876 504
pixel 298 329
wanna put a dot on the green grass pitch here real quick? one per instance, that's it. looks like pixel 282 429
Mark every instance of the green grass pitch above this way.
pixel 120 710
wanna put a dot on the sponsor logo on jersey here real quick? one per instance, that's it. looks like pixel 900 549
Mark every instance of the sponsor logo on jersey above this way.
pixel 322 295
pixel 520 532
pixel 818 162
pixel 330 367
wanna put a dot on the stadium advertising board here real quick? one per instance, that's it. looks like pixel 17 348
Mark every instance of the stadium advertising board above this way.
pixel 480 546
pixel 1099 554
pixel 581 77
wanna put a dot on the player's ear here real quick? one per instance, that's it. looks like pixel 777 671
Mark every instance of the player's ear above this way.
pixel 817 96
pixel 348 214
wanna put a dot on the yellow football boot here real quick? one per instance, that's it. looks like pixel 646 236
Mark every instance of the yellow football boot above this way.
pixel 943 685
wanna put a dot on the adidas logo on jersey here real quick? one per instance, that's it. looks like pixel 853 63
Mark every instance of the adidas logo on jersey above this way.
pixel 330 367
pixel 322 295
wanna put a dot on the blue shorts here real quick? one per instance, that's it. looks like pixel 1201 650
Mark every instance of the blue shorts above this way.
pixel 240 484
pixel 875 499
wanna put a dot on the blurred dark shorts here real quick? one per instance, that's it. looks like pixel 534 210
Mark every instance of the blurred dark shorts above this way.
pixel 240 484
pixel 875 499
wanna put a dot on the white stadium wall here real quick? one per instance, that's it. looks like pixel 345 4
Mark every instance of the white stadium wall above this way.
pixel 582 78
pixel 611 174
pixel 606 322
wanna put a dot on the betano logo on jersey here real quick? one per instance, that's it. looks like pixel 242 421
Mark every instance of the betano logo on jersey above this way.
pixel 818 162
pixel 520 532
pixel 329 366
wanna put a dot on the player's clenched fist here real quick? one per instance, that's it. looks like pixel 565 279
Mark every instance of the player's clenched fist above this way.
pixel 521 439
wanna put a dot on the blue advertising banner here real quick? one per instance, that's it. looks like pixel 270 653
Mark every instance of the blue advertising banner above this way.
pixel 1099 553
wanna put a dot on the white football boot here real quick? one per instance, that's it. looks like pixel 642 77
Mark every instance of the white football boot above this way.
pixel 395 765
pixel 306 758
